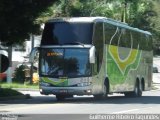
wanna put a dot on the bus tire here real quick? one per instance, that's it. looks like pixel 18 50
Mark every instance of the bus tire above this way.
pixel 60 97
pixel 137 91
pixel 104 95
pixel 143 84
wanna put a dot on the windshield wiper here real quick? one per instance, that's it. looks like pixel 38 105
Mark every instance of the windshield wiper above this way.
pixel 75 43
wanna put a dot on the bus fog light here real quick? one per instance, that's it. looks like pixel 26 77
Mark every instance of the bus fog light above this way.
pixel 88 91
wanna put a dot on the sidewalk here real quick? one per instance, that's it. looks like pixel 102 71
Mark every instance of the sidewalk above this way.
pixel 156 85
pixel 156 78
pixel 25 89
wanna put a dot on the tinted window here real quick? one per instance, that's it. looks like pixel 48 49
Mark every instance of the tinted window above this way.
pixel 150 46
pixel 123 37
pixel 146 42
pixel 136 39
pixel 58 33
pixel 111 33
pixel 98 42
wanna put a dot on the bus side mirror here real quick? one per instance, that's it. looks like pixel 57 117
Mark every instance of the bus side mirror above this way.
pixel 32 54
pixel 92 52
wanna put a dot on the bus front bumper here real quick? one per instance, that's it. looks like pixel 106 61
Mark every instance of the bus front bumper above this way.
pixel 87 90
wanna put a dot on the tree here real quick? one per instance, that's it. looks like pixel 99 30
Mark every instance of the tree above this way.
pixel 155 26
pixel 18 19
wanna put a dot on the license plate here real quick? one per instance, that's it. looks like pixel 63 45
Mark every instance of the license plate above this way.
pixel 63 91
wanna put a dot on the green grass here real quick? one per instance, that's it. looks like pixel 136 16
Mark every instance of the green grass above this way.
pixel 7 92
pixel 18 85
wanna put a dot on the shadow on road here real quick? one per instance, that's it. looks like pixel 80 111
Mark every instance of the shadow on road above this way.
pixel 116 100
pixel 87 100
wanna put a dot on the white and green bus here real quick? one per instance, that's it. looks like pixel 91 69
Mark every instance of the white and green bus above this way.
pixel 94 56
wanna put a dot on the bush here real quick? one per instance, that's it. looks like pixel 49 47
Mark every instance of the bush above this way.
pixel 19 75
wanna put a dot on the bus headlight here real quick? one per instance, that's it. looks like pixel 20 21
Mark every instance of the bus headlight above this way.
pixel 80 84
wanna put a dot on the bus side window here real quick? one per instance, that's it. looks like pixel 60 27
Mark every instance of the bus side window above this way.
pixel 143 42
pixel 136 41
pixel 98 43
pixel 110 30
pixel 150 43
pixel 122 38
pixel 125 38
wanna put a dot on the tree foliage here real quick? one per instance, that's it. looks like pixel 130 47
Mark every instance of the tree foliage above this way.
pixel 143 14
pixel 134 12
pixel 18 17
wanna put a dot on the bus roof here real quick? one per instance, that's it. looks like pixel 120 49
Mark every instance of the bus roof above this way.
pixel 98 19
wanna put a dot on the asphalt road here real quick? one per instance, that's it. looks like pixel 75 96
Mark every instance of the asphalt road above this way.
pixel 114 104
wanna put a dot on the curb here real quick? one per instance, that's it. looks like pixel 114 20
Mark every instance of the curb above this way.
pixel 156 86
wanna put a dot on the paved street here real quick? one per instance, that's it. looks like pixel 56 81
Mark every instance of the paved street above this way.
pixel 117 103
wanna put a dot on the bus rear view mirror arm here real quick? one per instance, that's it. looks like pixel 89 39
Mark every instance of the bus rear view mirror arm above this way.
pixel 92 54
pixel 32 54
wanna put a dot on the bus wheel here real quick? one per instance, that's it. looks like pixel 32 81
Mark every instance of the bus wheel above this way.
pixel 60 97
pixel 137 91
pixel 104 95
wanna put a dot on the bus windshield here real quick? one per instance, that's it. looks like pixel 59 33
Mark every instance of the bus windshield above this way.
pixel 64 62
pixel 60 33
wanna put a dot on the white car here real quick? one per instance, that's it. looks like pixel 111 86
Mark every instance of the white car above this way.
pixel 156 74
